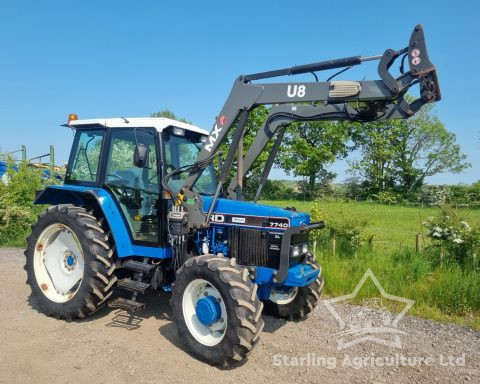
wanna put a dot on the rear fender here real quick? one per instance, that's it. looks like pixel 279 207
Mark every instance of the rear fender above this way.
pixel 81 195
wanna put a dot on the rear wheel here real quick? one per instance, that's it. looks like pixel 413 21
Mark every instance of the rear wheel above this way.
pixel 216 309
pixel 69 263
pixel 294 303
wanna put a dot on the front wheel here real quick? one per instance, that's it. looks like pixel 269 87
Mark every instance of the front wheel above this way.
pixel 216 309
pixel 294 303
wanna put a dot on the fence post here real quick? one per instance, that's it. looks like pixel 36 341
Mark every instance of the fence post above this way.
pixel 475 262
pixel 334 244
pixel 418 242
pixel 315 246
pixel 52 162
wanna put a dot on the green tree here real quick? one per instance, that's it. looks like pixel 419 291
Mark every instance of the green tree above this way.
pixel 169 115
pixel 308 148
pixel 397 155
pixel 376 165
pixel 426 148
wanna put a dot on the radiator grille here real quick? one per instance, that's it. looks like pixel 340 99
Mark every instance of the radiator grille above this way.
pixel 255 247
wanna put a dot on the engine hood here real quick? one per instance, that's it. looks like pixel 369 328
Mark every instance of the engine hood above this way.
pixel 242 213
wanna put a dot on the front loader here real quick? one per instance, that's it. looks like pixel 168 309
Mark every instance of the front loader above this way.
pixel 142 208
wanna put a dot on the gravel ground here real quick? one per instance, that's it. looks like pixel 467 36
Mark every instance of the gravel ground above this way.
pixel 112 347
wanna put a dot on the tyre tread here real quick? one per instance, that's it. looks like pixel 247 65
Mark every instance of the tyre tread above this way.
pixel 97 253
pixel 248 308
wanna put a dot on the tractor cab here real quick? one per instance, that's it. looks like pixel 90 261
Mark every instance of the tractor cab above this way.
pixel 127 157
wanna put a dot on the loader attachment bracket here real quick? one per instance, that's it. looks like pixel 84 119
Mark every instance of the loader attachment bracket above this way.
pixel 421 66
pixel 418 60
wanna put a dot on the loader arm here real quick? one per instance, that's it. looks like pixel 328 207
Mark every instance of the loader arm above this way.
pixel 301 101
pixel 282 115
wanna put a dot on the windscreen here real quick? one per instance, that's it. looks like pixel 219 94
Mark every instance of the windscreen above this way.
pixel 181 148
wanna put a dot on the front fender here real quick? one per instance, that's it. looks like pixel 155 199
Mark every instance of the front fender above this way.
pixel 79 195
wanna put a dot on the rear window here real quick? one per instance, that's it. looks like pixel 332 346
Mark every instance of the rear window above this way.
pixel 85 159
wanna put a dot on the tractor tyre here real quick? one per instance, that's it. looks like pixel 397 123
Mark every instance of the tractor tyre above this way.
pixel 295 303
pixel 216 309
pixel 69 263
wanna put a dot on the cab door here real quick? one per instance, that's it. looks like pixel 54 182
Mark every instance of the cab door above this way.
pixel 136 189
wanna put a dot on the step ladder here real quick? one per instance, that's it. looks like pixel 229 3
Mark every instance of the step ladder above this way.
pixel 135 285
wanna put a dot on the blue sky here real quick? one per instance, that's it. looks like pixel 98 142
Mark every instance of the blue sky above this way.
pixel 131 58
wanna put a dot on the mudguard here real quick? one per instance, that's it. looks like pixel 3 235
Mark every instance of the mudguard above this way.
pixel 78 195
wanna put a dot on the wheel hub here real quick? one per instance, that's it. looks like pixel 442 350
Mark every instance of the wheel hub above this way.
pixel 283 295
pixel 208 310
pixel 69 261
pixel 204 312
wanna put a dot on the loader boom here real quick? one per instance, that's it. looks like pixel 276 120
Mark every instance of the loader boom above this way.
pixel 303 101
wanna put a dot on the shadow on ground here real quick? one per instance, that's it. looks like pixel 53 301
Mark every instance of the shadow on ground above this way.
pixel 169 332
pixel 157 305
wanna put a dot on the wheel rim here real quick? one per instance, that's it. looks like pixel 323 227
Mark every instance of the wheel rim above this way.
pixel 58 263
pixel 200 295
pixel 282 297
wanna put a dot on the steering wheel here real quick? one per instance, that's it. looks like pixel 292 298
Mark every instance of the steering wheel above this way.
pixel 121 182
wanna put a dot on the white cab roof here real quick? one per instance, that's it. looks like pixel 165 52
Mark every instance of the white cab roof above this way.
pixel 160 123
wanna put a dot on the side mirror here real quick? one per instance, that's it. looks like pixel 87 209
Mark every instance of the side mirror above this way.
pixel 140 155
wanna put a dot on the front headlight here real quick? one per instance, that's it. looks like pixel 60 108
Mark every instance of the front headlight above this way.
pixel 304 248
pixel 295 251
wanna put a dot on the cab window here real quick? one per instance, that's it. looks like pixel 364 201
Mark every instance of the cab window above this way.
pixel 85 159
pixel 181 150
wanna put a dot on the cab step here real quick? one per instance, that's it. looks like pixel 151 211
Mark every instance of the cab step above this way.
pixel 133 285
pixel 137 266
pixel 127 305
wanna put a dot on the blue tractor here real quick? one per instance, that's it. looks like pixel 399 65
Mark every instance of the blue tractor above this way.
pixel 142 208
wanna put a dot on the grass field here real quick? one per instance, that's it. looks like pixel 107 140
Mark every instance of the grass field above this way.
pixel 442 293
pixel 394 226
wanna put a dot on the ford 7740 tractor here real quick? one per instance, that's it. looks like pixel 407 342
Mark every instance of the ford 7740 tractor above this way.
pixel 143 208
